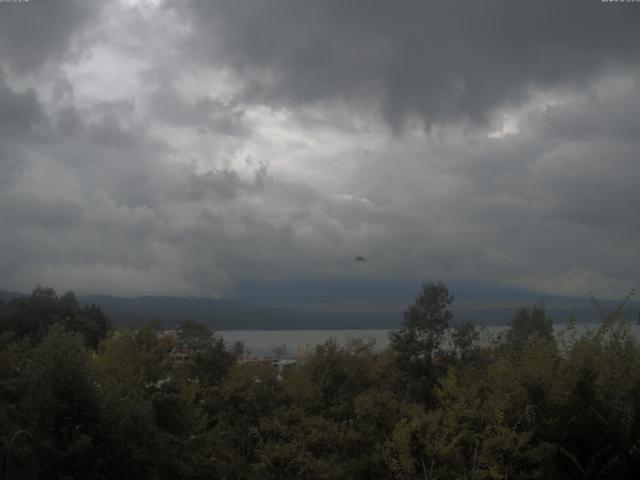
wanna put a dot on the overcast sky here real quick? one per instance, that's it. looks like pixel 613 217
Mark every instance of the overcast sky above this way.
pixel 180 146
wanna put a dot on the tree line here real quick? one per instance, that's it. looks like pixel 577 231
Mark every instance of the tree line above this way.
pixel 99 403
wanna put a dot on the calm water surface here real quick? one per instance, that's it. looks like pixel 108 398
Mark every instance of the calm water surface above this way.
pixel 263 342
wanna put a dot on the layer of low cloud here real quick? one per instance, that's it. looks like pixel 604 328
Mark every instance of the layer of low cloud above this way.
pixel 181 147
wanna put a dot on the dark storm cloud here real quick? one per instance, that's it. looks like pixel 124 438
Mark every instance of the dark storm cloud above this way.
pixel 22 119
pixel 195 146
pixel 32 33
pixel 20 112
pixel 97 203
pixel 30 211
pixel 438 60
pixel 609 113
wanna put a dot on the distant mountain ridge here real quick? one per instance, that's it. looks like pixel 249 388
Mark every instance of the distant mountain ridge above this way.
pixel 7 295
pixel 229 315
pixel 222 314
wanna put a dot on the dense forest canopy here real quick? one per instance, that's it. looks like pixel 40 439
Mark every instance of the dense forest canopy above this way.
pixel 127 404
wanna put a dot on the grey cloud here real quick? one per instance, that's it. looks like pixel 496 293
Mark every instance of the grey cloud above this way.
pixel 32 33
pixel 608 111
pixel 440 61
pixel 68 121
pixel 22 119
pixel 107 124
pixel 100 205
pixel 21 112
pixel 553 197
pixel 30 211
pixel 206 113
pixel 109 131
pixel 223 184
pixel 124 196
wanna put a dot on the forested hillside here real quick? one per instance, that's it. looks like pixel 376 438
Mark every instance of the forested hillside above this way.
pixel 125 404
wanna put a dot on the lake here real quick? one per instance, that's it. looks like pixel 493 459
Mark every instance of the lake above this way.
pixel 263 342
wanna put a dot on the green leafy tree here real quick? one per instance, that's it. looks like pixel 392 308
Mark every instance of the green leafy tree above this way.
pixel 529 325
pixel 464 339
pixel 249 394
pixel 60 405
pixel 420 338
pixel 31 317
